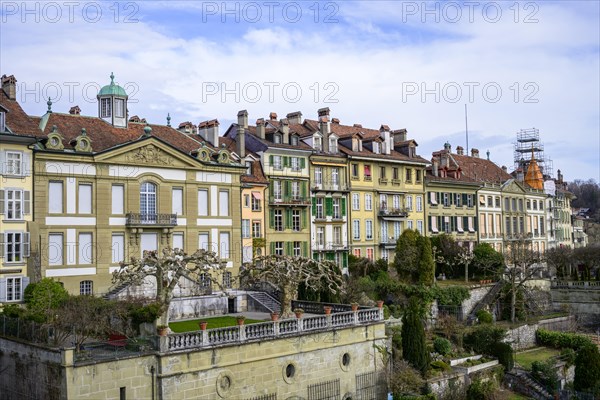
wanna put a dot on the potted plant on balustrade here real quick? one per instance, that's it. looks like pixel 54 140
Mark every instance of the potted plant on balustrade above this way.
pixel 162 330
pixel 327 310
pixel 274 316
pixel 240 320
pixel 298 312
pixel 354 306
pixel 203 325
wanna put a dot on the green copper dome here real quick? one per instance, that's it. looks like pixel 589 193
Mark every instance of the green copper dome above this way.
pixel 112 89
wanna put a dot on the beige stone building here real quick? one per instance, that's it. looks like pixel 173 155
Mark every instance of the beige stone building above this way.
pixel 108 188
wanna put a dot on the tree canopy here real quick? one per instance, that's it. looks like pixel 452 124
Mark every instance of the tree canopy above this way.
pixel 167 269
pixel 414 258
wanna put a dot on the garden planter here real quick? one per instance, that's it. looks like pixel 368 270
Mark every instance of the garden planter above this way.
pixel 327 310
pixel 274 316
pixel 354 306
pixel 203 325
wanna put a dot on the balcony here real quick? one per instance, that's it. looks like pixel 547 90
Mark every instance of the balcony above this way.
pixel 396 182
pixel 153 220
pixel 383 181
pixel 290 201
pixel 388 242
pixel 393 213
pixel 316 246
pixel 330 187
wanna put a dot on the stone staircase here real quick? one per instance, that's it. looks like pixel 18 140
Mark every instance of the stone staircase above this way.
pixel 489 298
pixel 265 300
pixel 524 384
pixel 114 290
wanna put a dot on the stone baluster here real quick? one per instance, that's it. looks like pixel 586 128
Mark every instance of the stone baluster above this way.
pixel 276 328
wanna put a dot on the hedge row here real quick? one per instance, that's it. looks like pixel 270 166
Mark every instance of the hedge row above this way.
pixel 562 340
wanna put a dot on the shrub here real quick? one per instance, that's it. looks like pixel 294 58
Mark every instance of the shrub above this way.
pixel 479 390
pixel 405 379
pixel 12 311
pixel 146 313
pixel 442 346
pixel 545 373
pixel 587 369
pixel 440 365
pixel 484 317
pixel 414 349
pixel 42 297
pixel 452 295
pixel 504 353
pixel 482 338
pixel 562 340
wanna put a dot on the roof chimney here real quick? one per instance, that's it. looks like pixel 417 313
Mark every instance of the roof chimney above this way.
pixel 447 147
pixel 436 165
pixel 400 135
pixel 273 116
pixel 388 141
pixel 9 85
pixel 504 168
pixel 75 110
pixel 460 150
pixel 209 131
pixel 260 128
pixel 357 125
pixel 285 129
pixel 335 121
pixel 241 133
pixel 295 117
pixel 325 129
pixel 323 112
pixel 559 176
pixel 474 153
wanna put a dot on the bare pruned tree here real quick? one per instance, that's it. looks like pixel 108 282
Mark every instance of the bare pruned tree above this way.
pixel 523 264
pixel 286 273
pixel 168 268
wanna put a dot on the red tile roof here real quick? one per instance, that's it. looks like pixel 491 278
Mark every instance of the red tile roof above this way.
pixel 104 136
pixel 481 170
pixel 257 175
pixel 17 121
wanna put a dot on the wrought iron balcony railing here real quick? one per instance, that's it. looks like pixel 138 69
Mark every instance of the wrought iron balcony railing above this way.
pixel 393 212
pixel 148 219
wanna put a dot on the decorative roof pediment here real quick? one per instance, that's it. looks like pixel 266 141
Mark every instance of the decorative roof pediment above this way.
pixel 55 140
pixel 148 152
pixel 514 186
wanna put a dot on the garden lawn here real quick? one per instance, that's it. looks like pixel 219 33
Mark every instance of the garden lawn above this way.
pixel 525 359
pixel 215 322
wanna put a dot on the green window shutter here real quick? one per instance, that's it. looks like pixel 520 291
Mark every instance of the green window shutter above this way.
pixel 304 249
pixel 302 163
pixel 2 202
pixel 288 218
pixel 286 161
pixel 272 248
pixel 328 206
pixel 288 248
pixel 345 260
pixel 428 197
pixel 464 199
pixel 304 219
pixel 271 188
pixel 440 222
pixel 271 160
pixel 439 197
pixel 288 188
pixel 303 189
pixel 475 223
pixel 429 223
pixel 453 224
pixel 314 206
pixel 465 223
pixel 271 218
pixel 343 205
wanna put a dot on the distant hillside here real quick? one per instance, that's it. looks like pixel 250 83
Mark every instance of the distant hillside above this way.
pixel 588 196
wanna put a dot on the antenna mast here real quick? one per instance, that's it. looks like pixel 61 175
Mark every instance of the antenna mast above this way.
pixel 467 129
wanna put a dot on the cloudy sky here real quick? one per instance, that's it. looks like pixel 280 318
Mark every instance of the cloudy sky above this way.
pixel 414 65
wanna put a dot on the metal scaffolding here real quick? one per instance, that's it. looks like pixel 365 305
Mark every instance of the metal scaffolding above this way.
pixel 528 140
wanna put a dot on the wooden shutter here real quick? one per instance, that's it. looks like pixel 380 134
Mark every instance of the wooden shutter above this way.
pixel 2 202
pixel 25 166
pixel 271 218
pixel 314 206
pixel 288 248
pixel 303 189
pixel 302 163
pixel 1 244
pixel 343 205
pixel 2 290
pixel 304 249
pixel 286 161
pixel 272 248
pixel 429 223
pixel 24 284
pixel 328 206
pixel 288 218
pixel 26 202
pixel 25 244
pixel 304 218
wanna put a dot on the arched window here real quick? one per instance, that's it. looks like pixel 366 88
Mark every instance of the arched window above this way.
pixel 148 202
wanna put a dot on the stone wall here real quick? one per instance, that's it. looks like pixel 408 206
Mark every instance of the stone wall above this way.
pixel 30 372
pixel 477 294
pixel 284 367
pixel 194 307
pixel 523 337
pixel 579 301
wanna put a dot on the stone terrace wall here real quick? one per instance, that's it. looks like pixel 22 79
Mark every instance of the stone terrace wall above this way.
pixel 523 337
pixel 30 372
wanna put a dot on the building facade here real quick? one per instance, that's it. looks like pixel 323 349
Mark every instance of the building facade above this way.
pixel 108 188
pixel 17 135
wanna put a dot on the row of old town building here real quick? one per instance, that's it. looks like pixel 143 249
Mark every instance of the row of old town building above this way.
pixel 80 194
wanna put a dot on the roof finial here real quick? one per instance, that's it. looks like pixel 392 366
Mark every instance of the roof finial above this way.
pixel 147 130
pixel 168 119
pixel 112 79
pixel 49 105
pixel 83 132
pixel 488 154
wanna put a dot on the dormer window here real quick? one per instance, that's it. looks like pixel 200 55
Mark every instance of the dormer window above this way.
pixel 119 108
pixel 105 108
pixel 333 147
pixel 376 147
pixel 277 139
pixel 248 167
pixel 318 145
pixel 294 140
pixel 2 121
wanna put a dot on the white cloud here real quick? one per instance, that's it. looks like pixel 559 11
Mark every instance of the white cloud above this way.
pixel 369 56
